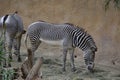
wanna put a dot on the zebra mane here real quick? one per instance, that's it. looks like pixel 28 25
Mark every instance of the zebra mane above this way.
pixel 41 21
pixel 77 27
pixel 69 24
pixel 81 29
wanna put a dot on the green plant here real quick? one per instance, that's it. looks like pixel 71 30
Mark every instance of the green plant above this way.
pixel 6 73
pixel 1 57
pixel 115 2
pixel 2 53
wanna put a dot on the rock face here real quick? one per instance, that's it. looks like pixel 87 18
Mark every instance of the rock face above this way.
pixel 103 25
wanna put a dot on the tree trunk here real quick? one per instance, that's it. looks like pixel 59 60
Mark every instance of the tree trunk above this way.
pixel 27 64
pixel 33 74
pixel 30 71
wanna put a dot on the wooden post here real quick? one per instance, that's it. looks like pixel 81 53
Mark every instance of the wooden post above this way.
pixel 33 74
pixel 27 64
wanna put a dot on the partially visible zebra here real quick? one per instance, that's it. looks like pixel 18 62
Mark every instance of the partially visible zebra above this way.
pixel 67 35
pixel 12 24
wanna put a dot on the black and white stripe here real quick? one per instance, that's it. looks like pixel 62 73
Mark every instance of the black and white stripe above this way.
pixel 82 39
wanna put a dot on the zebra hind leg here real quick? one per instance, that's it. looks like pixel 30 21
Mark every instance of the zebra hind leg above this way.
pixel 17 44
pixel 34 45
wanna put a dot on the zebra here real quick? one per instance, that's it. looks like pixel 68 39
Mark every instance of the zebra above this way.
pixel 12 24
pixel 66 35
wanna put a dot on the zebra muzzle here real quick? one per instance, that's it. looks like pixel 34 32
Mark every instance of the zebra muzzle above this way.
pixel 90 67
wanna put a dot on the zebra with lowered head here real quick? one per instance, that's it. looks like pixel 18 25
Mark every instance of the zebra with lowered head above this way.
pixel 67 35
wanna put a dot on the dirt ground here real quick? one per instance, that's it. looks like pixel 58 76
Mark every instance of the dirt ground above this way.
pixel 52 65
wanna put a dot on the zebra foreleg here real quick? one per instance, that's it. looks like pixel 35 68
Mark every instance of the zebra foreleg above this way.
pixel 71 52
pixel 64 59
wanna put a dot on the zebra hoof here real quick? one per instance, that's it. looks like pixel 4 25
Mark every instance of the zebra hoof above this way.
pixel 9 65
pixel 73 69
pixel 4 65
pixel 10 57
pixel 63 69
pixel 15 53
pixel 19 59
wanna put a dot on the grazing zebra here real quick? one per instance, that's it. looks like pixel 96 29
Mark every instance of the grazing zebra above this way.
pixel 67 35
pixel 13 26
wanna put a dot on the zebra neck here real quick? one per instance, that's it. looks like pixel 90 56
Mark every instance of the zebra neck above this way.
pixel 76 34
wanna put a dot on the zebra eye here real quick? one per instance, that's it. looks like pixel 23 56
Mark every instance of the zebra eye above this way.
pixel 93 49
pixel 90 63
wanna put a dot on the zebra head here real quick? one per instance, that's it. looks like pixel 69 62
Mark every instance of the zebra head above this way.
pixel 89 54
pixel 85 42
pixel 89 57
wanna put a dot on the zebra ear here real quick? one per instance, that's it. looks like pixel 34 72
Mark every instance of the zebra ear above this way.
pixel 24 31
pixel 93 49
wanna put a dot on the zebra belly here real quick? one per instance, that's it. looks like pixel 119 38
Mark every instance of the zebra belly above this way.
pixel 53 42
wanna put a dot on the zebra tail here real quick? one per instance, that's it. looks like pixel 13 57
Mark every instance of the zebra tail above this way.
pixel 4 25
pixel 25 40
pixel 4 19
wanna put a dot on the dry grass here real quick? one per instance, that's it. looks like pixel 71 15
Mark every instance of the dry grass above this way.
pixel 52 66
